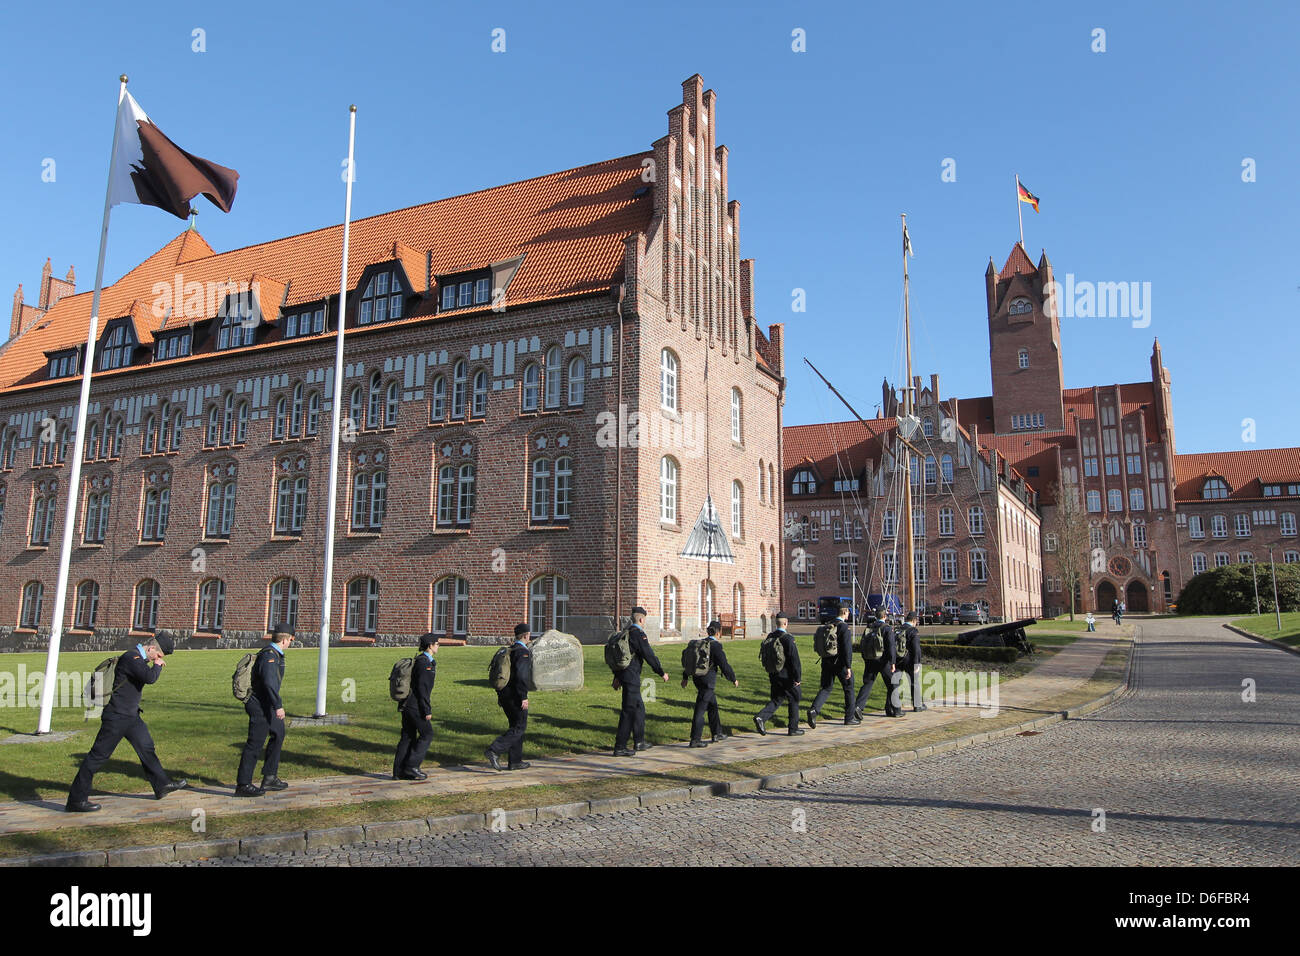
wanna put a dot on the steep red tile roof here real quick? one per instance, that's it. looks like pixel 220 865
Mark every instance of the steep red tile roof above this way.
pixel 569 225
pixel 1018 261
pixel 1244 471
pixel 834 449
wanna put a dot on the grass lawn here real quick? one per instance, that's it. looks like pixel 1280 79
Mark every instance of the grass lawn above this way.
pixel 1265 625
pixel 199 728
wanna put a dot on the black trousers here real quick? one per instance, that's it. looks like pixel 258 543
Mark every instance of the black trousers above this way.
pixel 631 719
pixel 892 685
pixel 262 724
pixel 783 689
pixel 111 731
pixel 417 734
pixel 706 702
pixel 914 678
pixel 512 741
pixel 831 672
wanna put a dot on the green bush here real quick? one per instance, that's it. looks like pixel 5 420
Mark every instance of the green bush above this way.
pixel 993 655
pixel 1231 590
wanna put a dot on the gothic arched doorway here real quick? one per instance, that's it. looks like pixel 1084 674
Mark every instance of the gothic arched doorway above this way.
pixel 1137 597
pixel 1106 597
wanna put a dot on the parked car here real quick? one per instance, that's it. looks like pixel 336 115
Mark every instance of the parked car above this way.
pixel 972 614
pixel 934 614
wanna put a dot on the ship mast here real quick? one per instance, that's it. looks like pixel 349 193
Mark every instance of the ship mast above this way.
pixel 908 409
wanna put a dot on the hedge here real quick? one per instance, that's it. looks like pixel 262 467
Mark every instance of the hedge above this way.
pixel 1231 590
pixel 992 655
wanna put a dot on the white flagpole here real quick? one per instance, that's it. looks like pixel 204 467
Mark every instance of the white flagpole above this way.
pixel 327 589
pixel 1020 213
pixel 78 447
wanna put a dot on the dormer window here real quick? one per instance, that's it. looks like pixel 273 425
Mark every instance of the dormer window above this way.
pixel 118 344
pixel 382 299
pixel 235 331
pixel 1214 488
pixel 804 483
pixel 306 322
pixel 1021 306
pixel 63 364
pixel 172 346
pixel 461 291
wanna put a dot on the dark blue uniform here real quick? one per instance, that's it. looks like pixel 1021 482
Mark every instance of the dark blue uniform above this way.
pixel 833 668
pixel 511 700
pixel 631 719
pixel 706 701
pixel 121 718
pixel 887 668
pixel 261 707
pixel 912 664
pixel 417 733
pixel 785 682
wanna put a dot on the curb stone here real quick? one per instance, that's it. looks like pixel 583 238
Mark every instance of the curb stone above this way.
pixel 1263 640
pixel 467 822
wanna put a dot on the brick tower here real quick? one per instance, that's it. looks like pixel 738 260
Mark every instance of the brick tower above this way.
pixel 1024 345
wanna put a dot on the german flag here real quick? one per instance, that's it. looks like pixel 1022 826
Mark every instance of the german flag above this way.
pixel 1027 196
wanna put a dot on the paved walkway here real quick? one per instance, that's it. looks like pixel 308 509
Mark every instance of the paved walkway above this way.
pixel 1181 771
pixel 1062 672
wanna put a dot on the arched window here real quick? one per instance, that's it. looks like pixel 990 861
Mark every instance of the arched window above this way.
pixel 313 413
pixel 450 607
pixel 668 380
pixel 1023 358
pixel 669 612
pixel 931 470
pixel 43 512
pixel 548 603
pixel 356 403
pixel 577 380
pixel 531 379
pixel 541 493
pixel 227 421
pixel 369 491
pixel 363 606
pixel 391 405
pixel 148 443
pixel 446 494
pixel 945 468
pixel 927 427
pixel 771 485
pixel 738 602
pixel 1021 306
pixel 165 425
pixel 281 421
pixel 480 393
pixel 112 437
pixel 157 505
pixel 465 494
pixel 706 603
pixel 458 389
pixel 178 425
pixel 213 436
pixel 33 598
pixel 290 495
pixel 87 607
pixel 374 406
pixel 282 609
pixel 737 509
pixel 762 482
pixel 295 417
pixel 65 439
pixel 241 423
pixel 668 490
pixel 95 527
pixel 438 399
pixel 212 605
pixel 221 500
pixel 9 447
pixel 737 431
pixel 147 594
pixel 552 396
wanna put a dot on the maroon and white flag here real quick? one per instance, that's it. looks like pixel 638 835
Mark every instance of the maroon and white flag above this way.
pixel 150 169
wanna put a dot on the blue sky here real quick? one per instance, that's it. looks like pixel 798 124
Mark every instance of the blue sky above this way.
pixel 1135 152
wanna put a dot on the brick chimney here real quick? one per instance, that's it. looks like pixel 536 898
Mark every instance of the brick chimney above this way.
pixel 776 335
pixel 15 317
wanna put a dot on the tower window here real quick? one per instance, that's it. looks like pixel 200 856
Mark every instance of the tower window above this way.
pixel 1023 358
pixel 1021 306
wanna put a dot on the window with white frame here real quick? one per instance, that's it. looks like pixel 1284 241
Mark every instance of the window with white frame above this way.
pixel 1241 525
pixel 1219 526
pixel 1288 524
pixel 222 481
pixel 668 380
pixel 848 569
pixel 212 606
pixel 948 566
pixel 451 607
pixel 157 505
pixel 737 509
pixel 1114 500
pixel 669 612
pixel 531 387
pixel 33 599
pixel 979 568
pixel 577 380
pixel 282 606
pixel 369 490
pixel 147 595
pixel 1136 500
pixel 1221 559
pixel 975 518
pixel 1094 501
pixel 668 490
pixel 1214 488
pixel 1139 535
pixel 363 606
pixel 1195 526
pixel 552 390
pixel 1198 563
pixel 737 432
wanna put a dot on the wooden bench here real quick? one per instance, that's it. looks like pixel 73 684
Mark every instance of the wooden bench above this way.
pixel 730 628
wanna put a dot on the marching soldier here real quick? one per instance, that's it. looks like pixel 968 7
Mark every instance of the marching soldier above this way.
pixel 417 714
pixel 705 698
pixel 513 699
pixel 265 712
pixel 840 667
pixel 121 718
pixel 912 666
pixel 886 666
pixel 631 719
pixel 785 682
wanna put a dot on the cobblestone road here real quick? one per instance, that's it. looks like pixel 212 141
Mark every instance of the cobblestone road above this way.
pixel 1185 770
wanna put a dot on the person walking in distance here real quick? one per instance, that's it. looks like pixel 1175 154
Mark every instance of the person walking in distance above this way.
pixel 513 700
pixel 265 712
pixel 779 655
pixel 417 714
pixel 141 665
pixel 880 652
pixel 631 718
pixel 911 663
pixel 837 663
pixel 707 655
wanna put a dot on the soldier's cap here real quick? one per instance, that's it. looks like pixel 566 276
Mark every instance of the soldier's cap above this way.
pixel 639 610
pixel 521 629
pixel 279 633
pixel 714 627
pixel 165 642
pixel 781 616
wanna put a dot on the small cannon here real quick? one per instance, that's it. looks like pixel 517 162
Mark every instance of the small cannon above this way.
pixel 1010 634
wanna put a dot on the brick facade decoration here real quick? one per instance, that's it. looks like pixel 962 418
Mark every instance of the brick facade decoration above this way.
pixel 529 433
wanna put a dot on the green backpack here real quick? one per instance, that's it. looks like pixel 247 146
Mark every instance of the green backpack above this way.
pixel 771 653
pixel 618 651
pixel 241 682
pixel 826 641
pixel 399 679
pixel 697 657
pixel 499 669
pixel 103 682
pixel 873 644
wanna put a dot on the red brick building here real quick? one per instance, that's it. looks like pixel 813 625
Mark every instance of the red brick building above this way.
pixel 528 430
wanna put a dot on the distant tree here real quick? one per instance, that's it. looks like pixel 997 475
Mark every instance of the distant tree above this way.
pixel 1070 524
